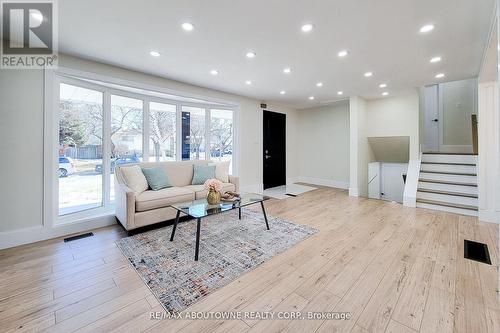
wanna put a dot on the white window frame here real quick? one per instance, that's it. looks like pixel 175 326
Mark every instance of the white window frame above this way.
pixel 53 79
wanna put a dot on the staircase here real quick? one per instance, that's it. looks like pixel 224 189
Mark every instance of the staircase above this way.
pixel 448 182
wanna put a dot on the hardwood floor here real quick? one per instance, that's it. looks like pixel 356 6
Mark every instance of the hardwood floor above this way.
pixel 393 268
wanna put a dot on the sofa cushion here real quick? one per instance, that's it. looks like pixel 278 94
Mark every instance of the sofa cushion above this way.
pixel 148 200
pixel 221 170
pixel 201 193
pixel 157 178
pixel 134 178
pixel 202 173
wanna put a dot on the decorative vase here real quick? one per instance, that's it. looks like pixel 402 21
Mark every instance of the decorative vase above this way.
pixel 213 197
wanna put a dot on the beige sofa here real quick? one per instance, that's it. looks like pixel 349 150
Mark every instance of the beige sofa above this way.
pixel 134 209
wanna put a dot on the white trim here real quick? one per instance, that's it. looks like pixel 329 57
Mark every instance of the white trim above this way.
pixel 489 216
pixel 411 186
pixel 324 182
pixel 353 192
pixel 40 233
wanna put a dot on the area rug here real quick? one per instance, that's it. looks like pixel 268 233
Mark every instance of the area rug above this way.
pixel 229 247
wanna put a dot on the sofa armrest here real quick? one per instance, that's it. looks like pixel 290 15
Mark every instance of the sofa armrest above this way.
pixel 124 204
pixel 236 181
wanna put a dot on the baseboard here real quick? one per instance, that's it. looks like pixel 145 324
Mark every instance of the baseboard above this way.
pixel 353 192
pixel 41 233
pixel 323 182
pixel 489 216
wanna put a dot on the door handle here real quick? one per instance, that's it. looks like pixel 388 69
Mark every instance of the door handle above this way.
pixel 435 120
pixel 267 156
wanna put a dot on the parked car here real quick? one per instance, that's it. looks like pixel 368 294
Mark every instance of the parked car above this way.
pixel 216 152
pixel 119 161
pixel 66 166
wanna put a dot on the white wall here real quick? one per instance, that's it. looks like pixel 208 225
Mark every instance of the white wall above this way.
pixel 21 136
pixel 324 145
pixel 392 116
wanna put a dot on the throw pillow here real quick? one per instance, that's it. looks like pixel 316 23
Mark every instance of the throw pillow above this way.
pixel 134 178
pixel 157 178
pixel 202 173
pixel 222 170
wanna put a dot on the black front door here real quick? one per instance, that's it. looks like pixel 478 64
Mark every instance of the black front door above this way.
pixel 274 149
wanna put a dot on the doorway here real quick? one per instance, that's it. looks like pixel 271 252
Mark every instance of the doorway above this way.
pixel 274 149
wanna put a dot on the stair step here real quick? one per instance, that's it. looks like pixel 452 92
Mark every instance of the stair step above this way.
pixel 454 210
pixel 447 204
pixel 451 168
pixel 451 173
pixel 449 158
pixel 458 194
pixel 444 182
pixel 448 199
pixel 449 177
pixel 442 153
pixel 443 163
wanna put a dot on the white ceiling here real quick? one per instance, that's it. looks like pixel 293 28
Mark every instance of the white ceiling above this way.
pixel 382 36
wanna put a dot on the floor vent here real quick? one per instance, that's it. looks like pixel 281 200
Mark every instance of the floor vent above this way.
pixel 69 239
pixel 476 251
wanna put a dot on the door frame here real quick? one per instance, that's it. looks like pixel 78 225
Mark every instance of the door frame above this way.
pixel 264 146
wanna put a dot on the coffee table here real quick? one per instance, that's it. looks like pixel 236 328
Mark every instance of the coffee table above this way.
pixel 200 208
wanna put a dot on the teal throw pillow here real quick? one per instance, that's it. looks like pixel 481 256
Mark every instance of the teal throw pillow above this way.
pixel 202 173
pixel 157 178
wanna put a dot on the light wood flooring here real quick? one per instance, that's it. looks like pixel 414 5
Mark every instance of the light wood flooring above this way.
pixel 393 268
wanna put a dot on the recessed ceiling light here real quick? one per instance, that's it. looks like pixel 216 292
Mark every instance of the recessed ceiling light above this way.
pixel 385 93
pixel 427 28
pixel 287 70
pixel 282 92
pixel 36 16
pixel 343 53
pixel 382 85
pixel 311 98
pixel 307 27
pixel 248 82
pixel 251 54
pixel 436 59
pixel 340 92
pixel 368 74
pixel 439 76
pixel 319 84
pixel 187 26
pixel 214 72
pixel 155 53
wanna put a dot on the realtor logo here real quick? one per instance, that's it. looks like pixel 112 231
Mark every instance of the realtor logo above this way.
pixel 29 35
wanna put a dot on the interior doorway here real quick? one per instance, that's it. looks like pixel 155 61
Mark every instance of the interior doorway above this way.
pixel 274 149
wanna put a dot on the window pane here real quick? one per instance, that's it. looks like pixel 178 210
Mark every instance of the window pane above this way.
pixel 221 136
pixel 126 133
pixel 193 133
pixel 80 149
pixel 162 132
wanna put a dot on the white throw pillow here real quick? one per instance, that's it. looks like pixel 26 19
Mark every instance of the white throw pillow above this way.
pixel 134 178
pixel 222 171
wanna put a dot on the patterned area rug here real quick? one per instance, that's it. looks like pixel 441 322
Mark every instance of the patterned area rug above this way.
pixel 228 248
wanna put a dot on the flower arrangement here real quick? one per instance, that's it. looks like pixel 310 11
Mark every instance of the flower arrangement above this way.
pixel 213 185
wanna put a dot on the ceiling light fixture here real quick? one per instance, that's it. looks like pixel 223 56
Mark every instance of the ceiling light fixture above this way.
pixel 155 53
pixel 287 70
pixel 439 76
pixel 311 98
pixel 385 93
pixel 248 82
pixel 368 74
pixel 282 92
pixel 36 15
pixel 319 84
pixel 187 26
pixel 307 27
pixel 435 59
pixel 343 53
pixel 214 72
pixel 427 28
pixel 340 92
pixel 251 54
pixel 382 85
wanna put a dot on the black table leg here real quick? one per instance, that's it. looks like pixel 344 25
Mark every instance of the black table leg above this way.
pixel 264 212
pixel 198 226
pixel 175 225
pixel 239 213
